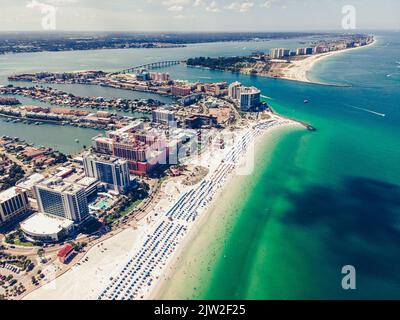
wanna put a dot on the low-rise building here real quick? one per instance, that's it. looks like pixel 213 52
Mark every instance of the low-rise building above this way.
pixel 42 227
pixel 180 91
pixel 66 254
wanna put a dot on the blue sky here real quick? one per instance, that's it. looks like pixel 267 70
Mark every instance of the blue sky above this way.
pixel 199 15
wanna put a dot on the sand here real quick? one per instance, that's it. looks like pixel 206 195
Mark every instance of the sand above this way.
pixel 299 70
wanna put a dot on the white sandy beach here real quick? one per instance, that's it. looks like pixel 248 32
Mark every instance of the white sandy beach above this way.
pixel 299 70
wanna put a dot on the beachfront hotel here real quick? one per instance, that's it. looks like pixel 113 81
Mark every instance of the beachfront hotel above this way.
pixel 59 198
pixel 249 98
pixel 143 149
pixel 109 170
pixel 279 53
pixel 234 90
pixel 61 205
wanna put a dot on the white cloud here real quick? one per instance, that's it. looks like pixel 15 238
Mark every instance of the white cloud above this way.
pixel 198 3
pixel 240 7
pixel 170 3
pixel 268 4
pixel 60 2
pixel 180 17
pixel 213 7
pixel 176 8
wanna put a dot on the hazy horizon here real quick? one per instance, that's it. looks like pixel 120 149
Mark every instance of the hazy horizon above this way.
pixel 197 15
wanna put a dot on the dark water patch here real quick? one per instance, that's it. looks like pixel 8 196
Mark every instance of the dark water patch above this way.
pixel 361 227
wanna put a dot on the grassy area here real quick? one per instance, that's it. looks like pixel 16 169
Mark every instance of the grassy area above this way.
pixel 132 200
pixel 132 206
pixel 116 216
pixel 19 242
pixel 17 239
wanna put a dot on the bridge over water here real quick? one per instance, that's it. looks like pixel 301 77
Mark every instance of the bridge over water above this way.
pixel 151 66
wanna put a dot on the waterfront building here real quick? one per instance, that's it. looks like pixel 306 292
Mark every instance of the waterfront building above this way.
pixel 143 76
pixel 250 98
pixel 180 91
pixel 143 149
pixel 111 171
pixel 102 144
pixel 13 203
pixel 277 53
pixel 301 51
pixel 190 99
pixel 163 116
pixel 286 53
pixel 320 49
pixel 160 76
pixel 234 90
pixel 59 198
pixel 309 51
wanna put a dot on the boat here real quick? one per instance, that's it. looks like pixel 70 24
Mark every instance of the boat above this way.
pixel 306 101
pixel 77 140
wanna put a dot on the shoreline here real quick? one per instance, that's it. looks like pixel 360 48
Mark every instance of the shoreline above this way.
pixel 211 225
pixel 297 70
pixel 300 70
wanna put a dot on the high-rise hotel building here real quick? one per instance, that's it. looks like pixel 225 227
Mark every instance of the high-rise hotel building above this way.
pixel 109 170
pixel 58 198
pixel 278 53
pixel 250 99
pixel 144 149
pixel 234 90
pixel 13 202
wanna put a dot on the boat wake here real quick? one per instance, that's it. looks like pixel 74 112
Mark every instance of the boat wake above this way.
pixel 367 110
pixel 266 97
